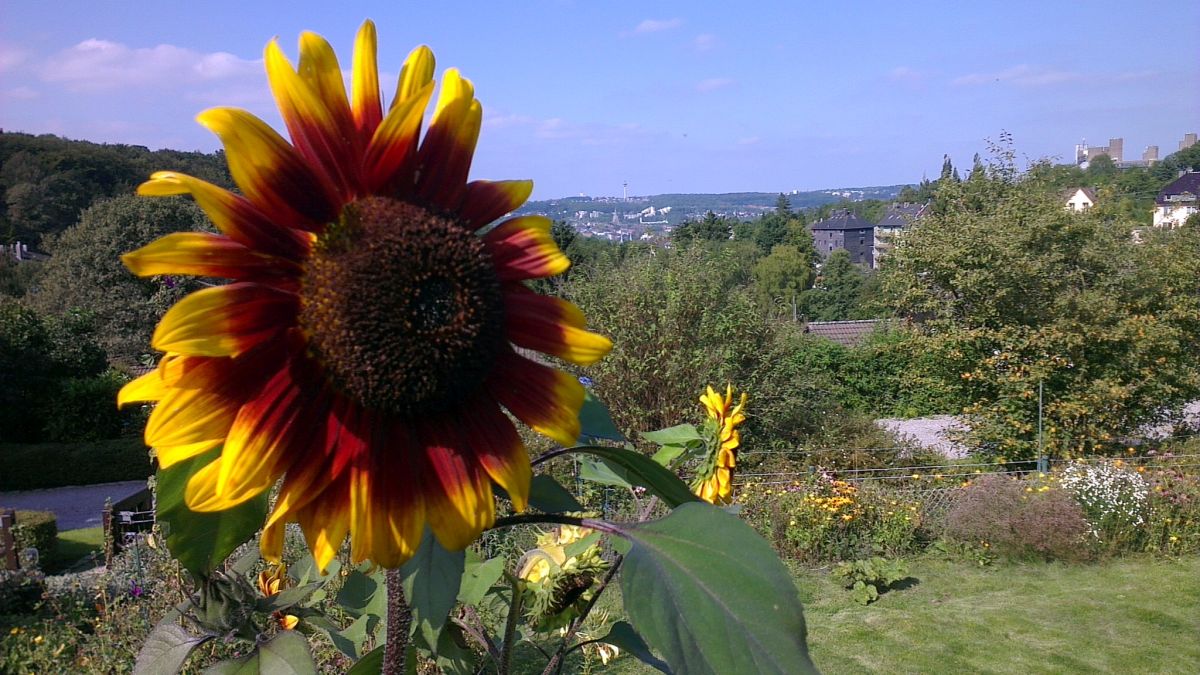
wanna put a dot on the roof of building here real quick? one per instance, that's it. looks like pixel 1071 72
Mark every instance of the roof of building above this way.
pixel 1087 192
pixel 901 215
pixel 845 333
pixel 842 220
pixel 1188 183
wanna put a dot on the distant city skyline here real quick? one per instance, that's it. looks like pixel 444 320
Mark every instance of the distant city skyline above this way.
pixel 669 97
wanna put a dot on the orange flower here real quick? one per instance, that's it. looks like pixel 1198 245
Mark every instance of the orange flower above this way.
pixel 715 486
pixel 364 352
pixel 270 582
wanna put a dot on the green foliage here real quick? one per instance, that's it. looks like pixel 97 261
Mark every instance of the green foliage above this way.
pixel 869 577
pixel 35 466
pixel 708 593
pixel 20 592
pixel 840 291
pixel 711 228
pixel 82 409
pixel 36 529
pixel 85 272
pixel 46 181
pixel 679 319
pixel 1015 291
pixel 201 541
pixel 629 468
pixel 782 277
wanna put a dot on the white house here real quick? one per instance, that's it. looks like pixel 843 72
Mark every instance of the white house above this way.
pixel 1080 199
pixel 1177 201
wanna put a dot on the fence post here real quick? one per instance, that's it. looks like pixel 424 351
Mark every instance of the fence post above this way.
pixel 8 542
pixel 107 525
pixel 1043 464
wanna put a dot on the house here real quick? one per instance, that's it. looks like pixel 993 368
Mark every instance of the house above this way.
pixel 1177 201
pixel 1079 198
pixel 845 230
pixel 899 217
pixel 845 333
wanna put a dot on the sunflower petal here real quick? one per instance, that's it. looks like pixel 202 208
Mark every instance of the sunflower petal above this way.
pixel 261 442
pixel 145 389
pixel 487 200
pixel 313 105
pixel 203 254
pixel 498 448
pixel 364 83
pixel 187 422
pixel 233 215
pixel 415 75
pixel 326 522
pixel 522 248
pixel 546 399
pixel 446 153
pixel 458 497
pixel 271 173
pixel 552 326
pixel 391 155
pixel 225 320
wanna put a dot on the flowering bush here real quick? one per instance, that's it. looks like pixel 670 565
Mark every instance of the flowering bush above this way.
pixel 1172 512
pixel 822 518
pixel 1113 497
pixel 1019 518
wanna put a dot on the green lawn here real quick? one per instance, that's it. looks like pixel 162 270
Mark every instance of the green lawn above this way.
pixel 73 546
pixel 1137 615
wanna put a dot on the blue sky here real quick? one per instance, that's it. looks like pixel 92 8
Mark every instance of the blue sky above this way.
pixel 669 96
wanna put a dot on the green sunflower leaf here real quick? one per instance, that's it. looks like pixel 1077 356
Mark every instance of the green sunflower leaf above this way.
pixel 547 494
pixel 167 648
pixel 202 541
pixel 681 434
pixel 711 596
pixel 595 422
pixel 285 654
pixel 623 635
pixel 431 582
pixel 479 578
pixel 633 468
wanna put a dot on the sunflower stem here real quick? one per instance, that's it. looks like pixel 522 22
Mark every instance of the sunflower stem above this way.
pixel 510 628
pixel 399 621
pixel 558 519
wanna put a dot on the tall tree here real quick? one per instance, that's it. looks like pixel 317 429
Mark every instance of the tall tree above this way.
pixel 837 294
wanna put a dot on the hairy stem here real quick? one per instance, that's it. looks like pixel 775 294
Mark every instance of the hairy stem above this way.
pixel 399 621
pixel 510 628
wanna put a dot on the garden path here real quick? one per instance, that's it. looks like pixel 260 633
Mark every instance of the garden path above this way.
pixel 76 506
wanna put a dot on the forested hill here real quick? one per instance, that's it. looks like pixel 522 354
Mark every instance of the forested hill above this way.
pixel 684 206
pixel 46 181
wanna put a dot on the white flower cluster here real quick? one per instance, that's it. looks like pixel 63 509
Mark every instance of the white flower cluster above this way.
pixel 1109 494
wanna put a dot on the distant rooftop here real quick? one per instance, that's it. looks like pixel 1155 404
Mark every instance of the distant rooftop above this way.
pixel 845 333
pixel 842 220
pixel 901 215
pixel 1186 185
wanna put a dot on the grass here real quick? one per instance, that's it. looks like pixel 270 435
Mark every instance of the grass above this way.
pixel 73 546
pixel 1133 615
pixel 1130 615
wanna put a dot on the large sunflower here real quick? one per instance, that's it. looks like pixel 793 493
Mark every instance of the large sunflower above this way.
pixel 365 346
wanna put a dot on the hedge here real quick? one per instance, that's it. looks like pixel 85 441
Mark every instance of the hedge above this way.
pixel 36 529
pixel 32 466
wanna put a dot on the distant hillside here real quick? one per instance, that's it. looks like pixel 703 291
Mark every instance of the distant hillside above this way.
pixel 680 207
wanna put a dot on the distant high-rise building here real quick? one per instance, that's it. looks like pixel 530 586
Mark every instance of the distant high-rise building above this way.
pixel 1150 156
pixel 1188 141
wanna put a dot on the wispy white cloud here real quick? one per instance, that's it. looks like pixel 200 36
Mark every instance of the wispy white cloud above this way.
pixel 714 83
pixel 1023 75
pixel 654 26
pixel 11 57
pixel 704 42
pixel 18 94
pixel 749 140
pixel 98 64
pixel 906 75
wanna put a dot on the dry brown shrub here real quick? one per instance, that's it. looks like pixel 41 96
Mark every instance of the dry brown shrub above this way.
pixel 997 510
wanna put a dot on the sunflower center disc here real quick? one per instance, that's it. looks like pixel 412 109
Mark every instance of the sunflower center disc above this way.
pixel 402 307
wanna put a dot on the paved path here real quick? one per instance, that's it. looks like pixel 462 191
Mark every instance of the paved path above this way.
pixel 77 506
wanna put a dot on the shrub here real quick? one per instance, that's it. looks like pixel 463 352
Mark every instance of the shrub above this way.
pixel 1173 512
pixel 36 529
pixel 83 409
pixel 822 519
pixel 20 591
pixel 1113 497
pixel 1019 519
pixel 46 465
pixel 867 578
